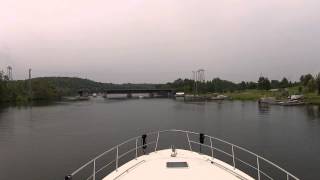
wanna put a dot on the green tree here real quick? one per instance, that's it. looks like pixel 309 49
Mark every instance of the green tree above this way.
pixel 242 85
pixel 311 86
pixel 264 83
pixel 318 83
pixel 43 90
pixel 284 83
pixel 1 86
pixel 251 85
pixel 220 85
pixel 275 84
pixel 304 79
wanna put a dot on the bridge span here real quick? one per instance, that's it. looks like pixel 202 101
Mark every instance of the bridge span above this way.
pixel 151 92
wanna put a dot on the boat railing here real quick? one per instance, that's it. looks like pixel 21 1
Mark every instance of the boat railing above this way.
pixel 92 170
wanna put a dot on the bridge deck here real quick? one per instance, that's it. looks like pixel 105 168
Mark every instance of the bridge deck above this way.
pixel 126 91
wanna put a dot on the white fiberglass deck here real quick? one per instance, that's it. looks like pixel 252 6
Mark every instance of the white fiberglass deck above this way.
pixel 153 166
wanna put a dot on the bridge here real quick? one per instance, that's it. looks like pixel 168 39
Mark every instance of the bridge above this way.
pixel 151 92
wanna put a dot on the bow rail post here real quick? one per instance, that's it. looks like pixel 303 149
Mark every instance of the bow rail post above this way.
pixel 234 163
pixel 94 170
pixel 155 149
pixel 258 167
pixel 189 141
pixel 117 156
pixel 136 148
pixel 211 147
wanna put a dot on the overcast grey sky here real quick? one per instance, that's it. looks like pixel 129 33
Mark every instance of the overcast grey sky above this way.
pixel 160 40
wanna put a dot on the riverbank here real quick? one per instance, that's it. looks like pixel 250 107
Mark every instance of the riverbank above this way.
pixel 312 99
pixel 254 95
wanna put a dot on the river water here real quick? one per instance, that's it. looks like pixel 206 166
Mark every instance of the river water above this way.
pixel 51 140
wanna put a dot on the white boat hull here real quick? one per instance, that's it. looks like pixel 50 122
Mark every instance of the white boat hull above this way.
pixel 153 167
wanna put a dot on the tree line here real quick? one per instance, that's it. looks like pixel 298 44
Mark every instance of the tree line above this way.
pixel 307 84
pixel 53 88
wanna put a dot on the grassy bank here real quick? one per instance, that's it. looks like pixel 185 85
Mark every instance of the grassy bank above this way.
pixel 312 98
pixel 250 94
pixel 254 95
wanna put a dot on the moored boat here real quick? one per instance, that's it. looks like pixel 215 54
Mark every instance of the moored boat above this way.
pixel 292 103
pixel 194 98
pixel 180 96
pixel 268 100
pixel 77 98
pixel 219 97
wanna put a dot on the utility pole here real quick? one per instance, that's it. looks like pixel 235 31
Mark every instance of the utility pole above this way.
pixel 198 76
pixel 30 85
pixel 9 73
pixel 201 75
pixel 194 77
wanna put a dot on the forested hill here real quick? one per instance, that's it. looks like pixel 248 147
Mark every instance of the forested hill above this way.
pixel 71 85
pixel 56 87
pixel 44 88
pixel 68 85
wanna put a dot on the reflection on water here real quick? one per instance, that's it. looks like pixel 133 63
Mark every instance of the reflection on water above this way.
pixel 264 109
pixel 313 112
pixel 61 136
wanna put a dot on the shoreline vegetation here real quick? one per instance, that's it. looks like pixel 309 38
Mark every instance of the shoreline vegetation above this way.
pixel 56 88
pixel 308 86
pixel 254 95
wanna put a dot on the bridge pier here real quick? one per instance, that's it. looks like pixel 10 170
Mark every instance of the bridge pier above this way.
pixel 129 95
